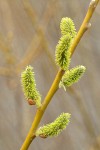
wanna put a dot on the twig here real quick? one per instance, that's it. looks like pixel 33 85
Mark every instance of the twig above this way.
pixel 54 87
pixel 85 25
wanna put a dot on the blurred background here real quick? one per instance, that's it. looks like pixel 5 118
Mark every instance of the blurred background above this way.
pixel 29 32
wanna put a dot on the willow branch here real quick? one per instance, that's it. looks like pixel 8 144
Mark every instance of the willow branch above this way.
pixel 85 25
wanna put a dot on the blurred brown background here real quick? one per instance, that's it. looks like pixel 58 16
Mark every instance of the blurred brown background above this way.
pixel 29 32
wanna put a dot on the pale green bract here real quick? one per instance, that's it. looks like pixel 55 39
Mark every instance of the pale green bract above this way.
pixel 54 128
pixel 67 27
pixel 72 76
pixel 29 86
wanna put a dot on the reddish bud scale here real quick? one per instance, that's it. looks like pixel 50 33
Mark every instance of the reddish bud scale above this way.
pixel 31 102
pixel 43 136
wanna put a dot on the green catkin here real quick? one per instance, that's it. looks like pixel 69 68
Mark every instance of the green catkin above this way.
pixel 62 55
pixel 67 27
pixel 54 128
pixel 29 86
pixel 72 76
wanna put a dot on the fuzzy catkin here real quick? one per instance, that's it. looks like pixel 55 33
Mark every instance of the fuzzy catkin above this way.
pixel 67 27
pixel 29 86
pixel 62 55
pixel 72 76
pixel 54 128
